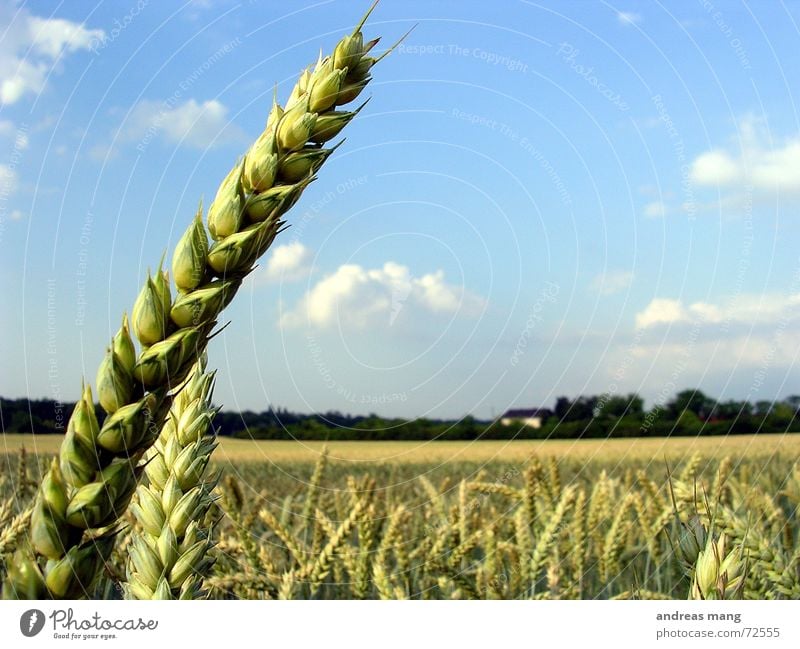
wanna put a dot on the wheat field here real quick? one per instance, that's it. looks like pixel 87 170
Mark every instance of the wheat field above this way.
pixel 485 520
pixel 645 448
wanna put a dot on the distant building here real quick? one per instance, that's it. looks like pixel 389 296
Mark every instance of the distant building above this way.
pixel 533 417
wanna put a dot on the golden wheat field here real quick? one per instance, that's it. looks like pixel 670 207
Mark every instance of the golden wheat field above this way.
pixel 655 449
pixel 621 519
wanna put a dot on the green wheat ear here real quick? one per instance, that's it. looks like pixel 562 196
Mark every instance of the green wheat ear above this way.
pixel 169 549
pixel 86 492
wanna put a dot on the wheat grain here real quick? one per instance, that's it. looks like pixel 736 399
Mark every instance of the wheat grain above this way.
pixel 13 530
pixel 98 466
pixel 176 498
pixel 549 536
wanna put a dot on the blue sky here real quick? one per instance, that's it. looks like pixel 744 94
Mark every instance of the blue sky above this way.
pixel 540 199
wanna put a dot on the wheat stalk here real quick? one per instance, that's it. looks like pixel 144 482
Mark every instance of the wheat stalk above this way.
pixel 11 532
pixel 577 552
pixel 296 553
pixel 366 538
pixel 549 536
pixel 614 541
pixel 169 554
pixel 86 492
pixel 316 570
pixel 312 493
pixel 380 576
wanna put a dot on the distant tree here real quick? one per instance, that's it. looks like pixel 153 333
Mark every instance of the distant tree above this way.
pixel 563 404
pixel 782 416
pixel 630 405
pixel 635 405
pixel 688 423
pixel 763 408
pixel 732 409
pixel 583 408
pixel 693 401
pixel 793 402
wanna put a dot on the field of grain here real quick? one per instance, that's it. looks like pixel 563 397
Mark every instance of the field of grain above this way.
pixel 607 450
pixel 486 520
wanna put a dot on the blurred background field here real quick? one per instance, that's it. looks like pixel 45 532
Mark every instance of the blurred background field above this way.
pixel 478 520
pixel 608 450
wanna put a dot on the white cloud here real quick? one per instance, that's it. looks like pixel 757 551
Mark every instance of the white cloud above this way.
pixel 190 123
pixel 359 297
pixel 628 17
pixel 754 160
pixel 684 361
pixel 611 282
pixel 715 168
pixel 288 263
pixel 660 311
pixel 655 209
pixel 744 309
pixel 52 36
pixel 31 46
pixel 737 341
pixel 9 180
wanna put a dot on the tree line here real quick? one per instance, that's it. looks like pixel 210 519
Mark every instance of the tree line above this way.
pixel 688 413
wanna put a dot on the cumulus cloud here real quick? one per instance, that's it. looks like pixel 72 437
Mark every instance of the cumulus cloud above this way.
pixel 611 282
pixel 681 361
pixel 744 309
pixel 199 125
pixel 288 263
pixel 715 168
pixel 661 311
pixel 753 159
pixel 359 297
pixel 736 341
pixel 31 46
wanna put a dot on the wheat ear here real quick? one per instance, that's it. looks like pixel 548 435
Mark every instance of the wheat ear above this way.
pixel 169 551
pixel 85 493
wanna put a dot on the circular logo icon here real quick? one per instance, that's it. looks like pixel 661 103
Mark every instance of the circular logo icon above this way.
pixel 31 622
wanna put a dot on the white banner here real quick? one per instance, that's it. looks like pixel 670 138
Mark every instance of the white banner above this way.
pixel 382 625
